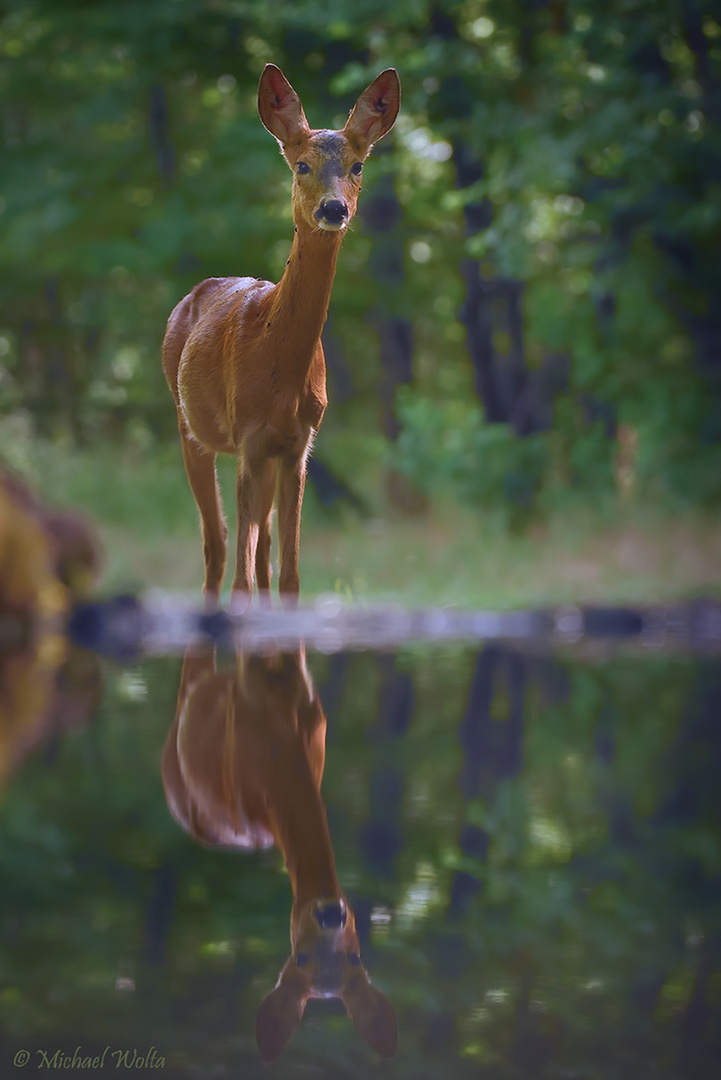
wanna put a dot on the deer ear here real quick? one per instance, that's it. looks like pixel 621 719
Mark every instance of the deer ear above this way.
pixel 375 111
pixel 280 1012
pixel 280 108
pixel 372 1014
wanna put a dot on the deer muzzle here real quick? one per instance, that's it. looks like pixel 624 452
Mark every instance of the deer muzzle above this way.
pixel 332 214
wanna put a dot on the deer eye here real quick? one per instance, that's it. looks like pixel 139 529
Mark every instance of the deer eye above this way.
pixel 302 959
pixel 302 168
pixel 357 168
pixel 354 959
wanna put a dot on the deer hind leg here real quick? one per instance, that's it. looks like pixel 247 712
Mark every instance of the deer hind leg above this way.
pixel 291 486
pixel 262 554
pixel 203 479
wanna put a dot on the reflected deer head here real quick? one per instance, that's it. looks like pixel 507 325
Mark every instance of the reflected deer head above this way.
pixel 242 767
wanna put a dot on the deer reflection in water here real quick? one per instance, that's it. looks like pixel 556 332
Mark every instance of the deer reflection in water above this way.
pixel 242 767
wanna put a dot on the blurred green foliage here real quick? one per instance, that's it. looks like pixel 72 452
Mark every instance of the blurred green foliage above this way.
pixel 447 447
pixel 134 164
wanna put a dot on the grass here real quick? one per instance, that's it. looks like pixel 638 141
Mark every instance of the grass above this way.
pixel 456 558
pixel 451 555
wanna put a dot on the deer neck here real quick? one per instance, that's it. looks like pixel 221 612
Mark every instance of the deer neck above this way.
pixel 299 303
pixel 300 829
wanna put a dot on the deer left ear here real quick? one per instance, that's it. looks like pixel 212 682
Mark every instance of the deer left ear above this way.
pixel 280 108
pixel 280 1012
pixel 372 1014
pixel 375 111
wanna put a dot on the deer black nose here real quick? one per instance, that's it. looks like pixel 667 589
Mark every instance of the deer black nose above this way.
pixel 333 211
pixel 330 916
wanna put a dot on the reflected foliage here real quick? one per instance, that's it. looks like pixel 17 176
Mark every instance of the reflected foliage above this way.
pixel 529 843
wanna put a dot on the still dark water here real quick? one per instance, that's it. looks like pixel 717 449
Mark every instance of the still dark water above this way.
pixel 530 842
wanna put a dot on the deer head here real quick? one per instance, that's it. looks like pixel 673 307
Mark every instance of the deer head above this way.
pixel 327 165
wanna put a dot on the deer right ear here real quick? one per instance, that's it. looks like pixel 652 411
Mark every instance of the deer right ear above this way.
pixel 280 108
pixel 280 1012
pixel 375 111
pixel 372 1014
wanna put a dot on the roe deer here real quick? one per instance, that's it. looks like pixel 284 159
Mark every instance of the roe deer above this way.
pixel 243 357
pixel 242 768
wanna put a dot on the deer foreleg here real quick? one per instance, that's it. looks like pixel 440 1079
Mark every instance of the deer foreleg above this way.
pixel 249 496
pixel 290 500
pixel 262 554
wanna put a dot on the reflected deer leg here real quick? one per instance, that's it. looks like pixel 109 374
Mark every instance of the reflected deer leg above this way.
pixel 203 480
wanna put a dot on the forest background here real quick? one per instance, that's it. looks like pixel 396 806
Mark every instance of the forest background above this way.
pixel 524 346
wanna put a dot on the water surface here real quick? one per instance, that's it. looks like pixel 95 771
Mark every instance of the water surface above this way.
pixel 529 840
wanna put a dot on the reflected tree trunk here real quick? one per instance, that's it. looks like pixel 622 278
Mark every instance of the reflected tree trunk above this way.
pixel 381 835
